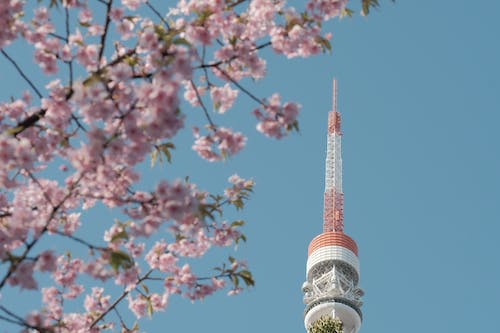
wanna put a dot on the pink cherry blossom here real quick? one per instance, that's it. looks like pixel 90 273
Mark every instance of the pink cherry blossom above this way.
pixel 224 140
pixel 111 93
pixel 223 97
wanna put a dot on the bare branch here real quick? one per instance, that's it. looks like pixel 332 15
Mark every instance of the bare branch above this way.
pixel 237 84
pixel 24 76
pixel 157 13
pixel 203 105
pixel 105 33
pixel 118 300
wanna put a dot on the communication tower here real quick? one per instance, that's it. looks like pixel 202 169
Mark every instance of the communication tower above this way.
pixel 332 270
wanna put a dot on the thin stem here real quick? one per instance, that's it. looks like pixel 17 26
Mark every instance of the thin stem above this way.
pixel 70 63
pixel 18 320
pixel 29 246
pixel 64 39
pixel 119 317
pixel 34 179
pixel 12 321
pixel 35 117
pixel 202 105
pixel 10 313
pixel 105 33
pixel 237 84
pixel 80 240
pixel 220 62
pixel 236 3
pixel 118 300
pixel 24 76
pixel 157 13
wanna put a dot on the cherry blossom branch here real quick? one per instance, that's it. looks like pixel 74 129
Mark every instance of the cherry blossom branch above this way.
pixel 118 300
pixel 18 320
pixel 80 240
pixel 30 245
pixel 237 84
pixel 236 3
pixel 234 57
pixel 157 13
pixel 203 105
pixel 44 193
pixel 70 63
pixel 35 117
pixel 23 75
pixel 121 319
pixel 105 33
pixel 12 321
pixel 64 39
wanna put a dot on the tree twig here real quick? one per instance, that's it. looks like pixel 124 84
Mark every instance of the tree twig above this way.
pixel 118 300
pixel 202 105
pixel 24 76
pixel 237 84
pixel 157 13
pixel 105 33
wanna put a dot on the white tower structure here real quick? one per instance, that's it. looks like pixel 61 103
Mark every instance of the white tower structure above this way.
pixel 332 272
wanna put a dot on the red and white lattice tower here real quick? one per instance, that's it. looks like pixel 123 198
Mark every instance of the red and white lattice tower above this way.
pixel 331 286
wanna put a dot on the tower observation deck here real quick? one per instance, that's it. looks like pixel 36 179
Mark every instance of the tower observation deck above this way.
pixel 332 270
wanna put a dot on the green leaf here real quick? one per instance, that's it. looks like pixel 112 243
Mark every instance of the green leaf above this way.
pixel 238 223
pixel 238 203
pixel 247 277
pixel 181 41
pixel 236 281
pixel 162 148
pixel 165 149
pixel 121 235
pixel 154 157
pixel 325 43
pixel 346 12
pixel 120 259
pixel 14 130
pixel 150 308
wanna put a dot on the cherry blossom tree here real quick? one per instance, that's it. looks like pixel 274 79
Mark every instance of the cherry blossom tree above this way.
pixel 116 75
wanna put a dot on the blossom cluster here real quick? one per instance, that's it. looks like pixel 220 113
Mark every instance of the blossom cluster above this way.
pixel 115 81
pixel 276 119
pixel 218 144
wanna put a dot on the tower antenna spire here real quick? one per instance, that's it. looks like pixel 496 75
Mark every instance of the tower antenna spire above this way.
pixel 333 213
pixel 334 95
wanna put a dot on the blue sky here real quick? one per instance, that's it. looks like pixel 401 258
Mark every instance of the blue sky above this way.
pixel 419 92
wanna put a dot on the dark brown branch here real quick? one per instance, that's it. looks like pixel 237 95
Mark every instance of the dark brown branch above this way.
pixel 105 33
pixel 203 105
pixel 157 13
pixel 118 300
pixel 70 63
pixel 30 245
pixel 218 63
pixel 18 320
pixel 237 84
pixel 81 241
pixel 24 76
pixel 34 118
pixel 64 39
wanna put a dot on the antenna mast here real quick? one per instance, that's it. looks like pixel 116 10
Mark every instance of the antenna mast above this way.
pixel 333 214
